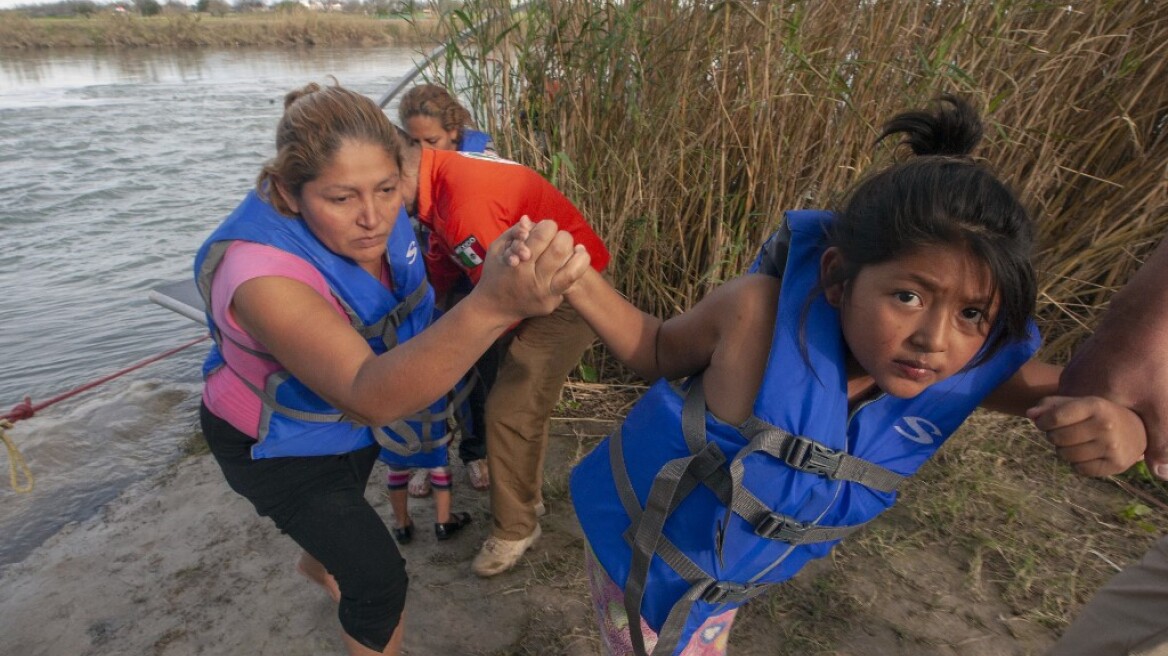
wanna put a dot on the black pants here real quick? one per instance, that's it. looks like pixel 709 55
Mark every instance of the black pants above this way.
pixel 473 443
pixel 319 501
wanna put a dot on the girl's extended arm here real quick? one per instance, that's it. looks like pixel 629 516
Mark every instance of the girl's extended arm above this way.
pixel 1035 381
pixel 652 348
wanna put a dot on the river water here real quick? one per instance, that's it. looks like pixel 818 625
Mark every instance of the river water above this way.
pixel 113 168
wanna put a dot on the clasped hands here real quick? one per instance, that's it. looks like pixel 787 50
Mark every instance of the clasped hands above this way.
pixel 532 265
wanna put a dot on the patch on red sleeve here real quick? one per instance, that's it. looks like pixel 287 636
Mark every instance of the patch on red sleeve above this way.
pixel 470 252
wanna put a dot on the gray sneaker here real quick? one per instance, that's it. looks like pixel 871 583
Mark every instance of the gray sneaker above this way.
pixel 498 555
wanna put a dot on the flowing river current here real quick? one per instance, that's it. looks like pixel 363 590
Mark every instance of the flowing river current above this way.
pixel 113 168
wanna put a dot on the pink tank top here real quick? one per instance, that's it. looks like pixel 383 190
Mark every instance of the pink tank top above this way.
pixel 225 395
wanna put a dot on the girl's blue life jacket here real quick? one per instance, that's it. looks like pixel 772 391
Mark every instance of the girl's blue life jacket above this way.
pixel 295 421
pixel 692 516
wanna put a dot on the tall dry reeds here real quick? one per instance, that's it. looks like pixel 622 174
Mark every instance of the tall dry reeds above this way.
pixel 684 129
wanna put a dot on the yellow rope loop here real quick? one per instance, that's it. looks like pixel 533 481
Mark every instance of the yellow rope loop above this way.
pixel 17 467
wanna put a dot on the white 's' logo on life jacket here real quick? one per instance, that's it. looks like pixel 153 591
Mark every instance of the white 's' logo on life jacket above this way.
pixel 922 430
pixel 412 252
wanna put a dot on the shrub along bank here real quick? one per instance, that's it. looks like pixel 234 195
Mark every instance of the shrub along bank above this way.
pixel 200 30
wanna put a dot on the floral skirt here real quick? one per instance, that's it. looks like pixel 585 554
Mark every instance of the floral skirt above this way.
pixel 609 603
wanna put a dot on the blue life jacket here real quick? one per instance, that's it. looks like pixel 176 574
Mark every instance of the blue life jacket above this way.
pixel 691 516
pixel 295 421
pixel 473 141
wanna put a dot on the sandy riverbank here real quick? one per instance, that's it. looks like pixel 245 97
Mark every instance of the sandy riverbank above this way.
pixel 181 565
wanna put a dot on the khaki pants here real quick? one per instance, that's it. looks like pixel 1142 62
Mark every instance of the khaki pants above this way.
pixel 519 405
pixel 1128 616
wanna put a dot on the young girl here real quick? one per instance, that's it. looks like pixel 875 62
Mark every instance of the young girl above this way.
pixel 435 119
pixel 814 389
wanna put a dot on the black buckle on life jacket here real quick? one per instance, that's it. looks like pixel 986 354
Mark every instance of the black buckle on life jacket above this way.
pixel 812 457
pixel 780 527
pixel 720 591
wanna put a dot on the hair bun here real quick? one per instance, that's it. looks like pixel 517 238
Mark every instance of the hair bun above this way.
pixel 950 127
pixel 296 94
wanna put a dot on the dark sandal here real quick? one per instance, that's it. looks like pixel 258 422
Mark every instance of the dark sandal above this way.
pixel 404 534
pixel 446 530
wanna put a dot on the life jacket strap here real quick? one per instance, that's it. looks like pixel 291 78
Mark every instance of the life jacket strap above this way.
pixel 218 337
pixel 672 483
pixel 727 592
pixel 268 397
pixel 795 451
pixel 709 591
pixel 425 443
pixel 456 398
pixel 776 526
pixel 412 443
pixel 386 327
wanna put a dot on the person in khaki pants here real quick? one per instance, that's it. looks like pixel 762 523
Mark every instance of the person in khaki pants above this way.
pixel 466 201
pixel 527 387
pixel 1126 361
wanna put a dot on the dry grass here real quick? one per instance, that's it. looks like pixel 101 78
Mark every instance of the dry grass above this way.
pixel 297 29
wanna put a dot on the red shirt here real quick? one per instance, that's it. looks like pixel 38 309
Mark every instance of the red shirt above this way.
pixel 469 199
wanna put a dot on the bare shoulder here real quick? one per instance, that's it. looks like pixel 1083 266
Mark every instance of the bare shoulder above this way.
pixel 745 303
pixel 746 309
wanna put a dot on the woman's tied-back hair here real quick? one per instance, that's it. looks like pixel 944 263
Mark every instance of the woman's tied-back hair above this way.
pixel 435 102
pixel 942 196
pixel 316 121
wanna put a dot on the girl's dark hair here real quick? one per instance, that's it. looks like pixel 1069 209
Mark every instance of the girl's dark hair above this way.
pixel 941 196
pixel 316 122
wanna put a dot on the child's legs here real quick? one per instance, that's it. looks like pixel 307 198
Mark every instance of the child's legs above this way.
pixel 440 481
pixel 398 480
pixel 608 601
